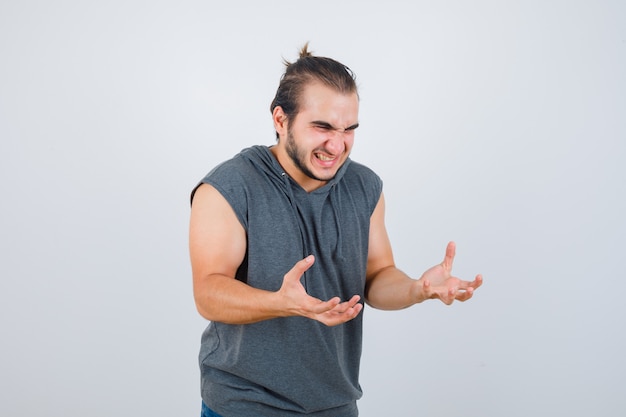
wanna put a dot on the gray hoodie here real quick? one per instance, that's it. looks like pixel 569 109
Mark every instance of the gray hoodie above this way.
pixel 291 366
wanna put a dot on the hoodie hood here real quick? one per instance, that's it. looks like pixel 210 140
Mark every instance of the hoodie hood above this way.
pixel 263 158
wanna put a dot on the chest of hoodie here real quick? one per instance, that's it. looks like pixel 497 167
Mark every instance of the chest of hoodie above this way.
pixel 327 223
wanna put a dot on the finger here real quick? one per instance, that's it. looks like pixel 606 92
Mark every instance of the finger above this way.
pixel 334 318
pixel 340 308
pixel 478 281
pixel 466 289
pixel 300 268
pixel 451 295
pixel 449 258
pixel 465 294
pixel 322 307
pixel 352 312
pixel 346 305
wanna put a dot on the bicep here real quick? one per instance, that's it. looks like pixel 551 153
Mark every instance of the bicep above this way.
pixel 217 240
pixel 380 255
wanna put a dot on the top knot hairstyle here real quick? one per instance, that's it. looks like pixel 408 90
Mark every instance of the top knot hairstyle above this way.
pixel 309 68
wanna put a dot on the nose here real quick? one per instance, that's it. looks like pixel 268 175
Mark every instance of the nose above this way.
pixel 335 143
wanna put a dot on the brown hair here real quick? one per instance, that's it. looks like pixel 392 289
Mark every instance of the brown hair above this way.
pixel 306 69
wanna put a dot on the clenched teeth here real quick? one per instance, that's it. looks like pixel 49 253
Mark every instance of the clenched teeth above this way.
pixel 323 157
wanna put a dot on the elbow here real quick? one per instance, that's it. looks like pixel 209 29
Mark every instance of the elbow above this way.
pixel 204 305
pixel 204 312
pixel 208 308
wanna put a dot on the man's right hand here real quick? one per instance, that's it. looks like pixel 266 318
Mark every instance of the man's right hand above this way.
pixel 299 303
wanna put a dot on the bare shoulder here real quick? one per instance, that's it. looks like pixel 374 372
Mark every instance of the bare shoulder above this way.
pixel 380 255
pixel 217 240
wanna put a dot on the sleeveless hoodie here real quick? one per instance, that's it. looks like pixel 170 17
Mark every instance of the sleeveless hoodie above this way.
pixel 291 366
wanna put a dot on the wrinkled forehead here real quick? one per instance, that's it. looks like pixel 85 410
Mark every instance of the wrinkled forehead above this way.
pixel 323 103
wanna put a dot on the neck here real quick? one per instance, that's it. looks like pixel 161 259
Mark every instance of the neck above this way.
pixel 306 182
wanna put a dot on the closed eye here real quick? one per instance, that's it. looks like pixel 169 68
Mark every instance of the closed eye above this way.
pixel 322 126
pixel 327 127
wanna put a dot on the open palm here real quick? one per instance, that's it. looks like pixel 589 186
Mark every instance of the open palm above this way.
pixel 438 282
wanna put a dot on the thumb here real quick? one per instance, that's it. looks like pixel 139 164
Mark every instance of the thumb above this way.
pixel 300 268
pixel 449 258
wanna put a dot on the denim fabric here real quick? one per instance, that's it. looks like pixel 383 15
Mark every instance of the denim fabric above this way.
pixel 207 412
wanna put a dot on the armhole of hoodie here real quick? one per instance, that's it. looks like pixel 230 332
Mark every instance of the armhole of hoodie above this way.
pixel 228 196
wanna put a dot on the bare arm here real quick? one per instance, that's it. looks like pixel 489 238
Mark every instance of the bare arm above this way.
pixel 217 245
pixel 388 288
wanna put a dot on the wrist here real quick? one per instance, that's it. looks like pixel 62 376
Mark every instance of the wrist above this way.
pixel 419 291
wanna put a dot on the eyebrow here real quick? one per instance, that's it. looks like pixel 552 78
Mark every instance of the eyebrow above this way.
pixel 326 125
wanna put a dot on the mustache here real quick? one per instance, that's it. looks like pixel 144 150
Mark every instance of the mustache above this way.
pixel 327 152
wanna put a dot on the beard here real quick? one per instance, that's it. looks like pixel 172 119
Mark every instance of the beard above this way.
pixel 299 158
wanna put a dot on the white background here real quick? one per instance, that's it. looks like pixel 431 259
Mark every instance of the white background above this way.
pixel 497 124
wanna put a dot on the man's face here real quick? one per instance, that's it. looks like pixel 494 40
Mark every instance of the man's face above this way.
pixel 320 137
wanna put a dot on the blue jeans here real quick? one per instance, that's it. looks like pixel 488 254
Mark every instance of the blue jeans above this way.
pixel 207 412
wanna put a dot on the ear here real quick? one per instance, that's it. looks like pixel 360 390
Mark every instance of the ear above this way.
pixel 280 121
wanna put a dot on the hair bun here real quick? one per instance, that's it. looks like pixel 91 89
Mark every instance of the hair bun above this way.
pixel 304 52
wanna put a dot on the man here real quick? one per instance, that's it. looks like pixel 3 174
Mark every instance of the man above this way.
pixel 286 243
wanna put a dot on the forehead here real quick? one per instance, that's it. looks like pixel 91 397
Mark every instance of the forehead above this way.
pixel 321 102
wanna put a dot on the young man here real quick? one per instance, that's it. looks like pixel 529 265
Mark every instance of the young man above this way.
pixel 286 243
